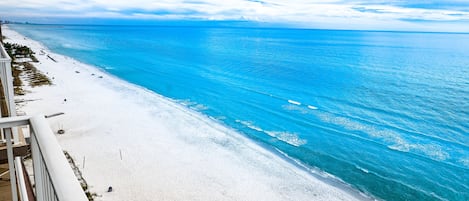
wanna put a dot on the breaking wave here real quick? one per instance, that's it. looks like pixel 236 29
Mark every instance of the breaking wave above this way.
pixel 287 137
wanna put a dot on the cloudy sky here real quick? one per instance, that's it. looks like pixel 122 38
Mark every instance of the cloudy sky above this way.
pixel 421 15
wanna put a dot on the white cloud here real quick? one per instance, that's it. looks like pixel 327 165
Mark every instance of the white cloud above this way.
pixel 299 12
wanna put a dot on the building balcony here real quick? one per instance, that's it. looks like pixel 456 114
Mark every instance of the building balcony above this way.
pixel 53 177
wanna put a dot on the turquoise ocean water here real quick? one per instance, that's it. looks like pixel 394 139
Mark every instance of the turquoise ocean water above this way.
pixel 386 112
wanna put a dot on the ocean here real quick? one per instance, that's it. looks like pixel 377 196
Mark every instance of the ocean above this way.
pixel 384 112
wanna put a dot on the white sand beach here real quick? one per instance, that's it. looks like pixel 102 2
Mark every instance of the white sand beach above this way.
pixel 147 147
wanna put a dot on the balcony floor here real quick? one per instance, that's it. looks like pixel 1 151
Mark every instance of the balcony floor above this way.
pixel 20 149
pixel 5 191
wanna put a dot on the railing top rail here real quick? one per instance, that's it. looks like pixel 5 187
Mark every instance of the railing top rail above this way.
pixel 9 122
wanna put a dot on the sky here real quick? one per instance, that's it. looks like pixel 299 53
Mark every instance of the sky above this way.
pixel 406 15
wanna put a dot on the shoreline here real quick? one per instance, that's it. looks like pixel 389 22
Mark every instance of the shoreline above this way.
pixel 193 157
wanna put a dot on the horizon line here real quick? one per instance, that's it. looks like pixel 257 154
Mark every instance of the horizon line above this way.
pixel 253 25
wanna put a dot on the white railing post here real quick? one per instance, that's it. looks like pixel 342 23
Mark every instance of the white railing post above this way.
pixel 37 167
pixel 20 178
pixel 11 165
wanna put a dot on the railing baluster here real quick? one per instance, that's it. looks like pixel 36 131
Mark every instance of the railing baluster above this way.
pixel 45 183
pixel 11 166
pixel 37 166
pixel 20 180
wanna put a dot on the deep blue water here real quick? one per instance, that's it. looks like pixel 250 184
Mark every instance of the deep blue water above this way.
pixel 386 112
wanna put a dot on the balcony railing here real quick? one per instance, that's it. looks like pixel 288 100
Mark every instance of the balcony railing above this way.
pixel 7 103
pixel 7 83
pixel 53 177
